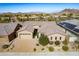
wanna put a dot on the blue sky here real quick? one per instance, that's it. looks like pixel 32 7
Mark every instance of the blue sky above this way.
pixel 36 7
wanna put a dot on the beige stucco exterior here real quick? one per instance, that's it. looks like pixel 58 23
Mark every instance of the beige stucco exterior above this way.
pixel 56 36
pixel 25 35
pixel 28 35
pixel 72 39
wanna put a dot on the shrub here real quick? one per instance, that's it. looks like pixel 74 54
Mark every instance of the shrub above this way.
pixel 37 44
pixel 34 49
pixel 50 49
pixel 5 46
pixel 65 48
pixel 43 40
pixel 78 47
pixel 57 43
pixel 65 42
pixel 42 49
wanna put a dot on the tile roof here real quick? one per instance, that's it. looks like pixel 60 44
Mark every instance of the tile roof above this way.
pixel 46 27
pixel 7 28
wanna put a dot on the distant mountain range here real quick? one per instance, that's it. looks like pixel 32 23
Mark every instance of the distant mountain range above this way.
pixel 74 11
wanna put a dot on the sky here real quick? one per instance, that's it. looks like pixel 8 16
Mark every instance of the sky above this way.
pixel 36 7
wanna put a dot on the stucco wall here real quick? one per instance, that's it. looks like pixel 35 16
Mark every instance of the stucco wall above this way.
pixel 58 37
pixel 25 35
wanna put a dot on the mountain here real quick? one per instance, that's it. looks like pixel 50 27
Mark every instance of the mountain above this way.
pixel 74 11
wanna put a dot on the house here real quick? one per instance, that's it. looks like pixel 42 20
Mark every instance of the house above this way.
pixel 8 31
pixel 26 42
pixel 53 31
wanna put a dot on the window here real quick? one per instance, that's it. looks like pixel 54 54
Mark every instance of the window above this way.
pixel 55 38
pixel 60 38
pixel 51 38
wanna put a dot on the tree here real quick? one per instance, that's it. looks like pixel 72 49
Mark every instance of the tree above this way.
pixel 64 14
pixel 43 40
pixel 77 44
pixel 26 15
pixel 70 15
pixel 50 18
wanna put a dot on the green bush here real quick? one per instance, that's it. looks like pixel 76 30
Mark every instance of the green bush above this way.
pixel 57 43
pixel 65 48
pixel 42 49
pixel 5 46
pixel 34 49
pixel 43 40
pixel 50 49
pixel 65 42
pixel 78 47
pixel 37 44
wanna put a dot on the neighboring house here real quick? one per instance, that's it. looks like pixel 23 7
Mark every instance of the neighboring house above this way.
pixel 72 39
pixel 50 29
pixel 72 29
pixel 8 31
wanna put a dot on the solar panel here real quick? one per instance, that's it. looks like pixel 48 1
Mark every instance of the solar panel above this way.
pixel 68 25
pixel 76 30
